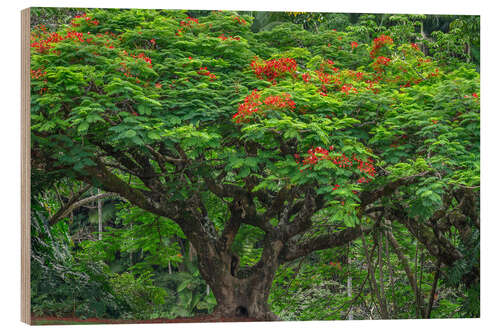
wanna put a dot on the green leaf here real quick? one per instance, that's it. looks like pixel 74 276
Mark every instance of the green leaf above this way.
pixel 83 127
pixel 128 134
pixel 144 109
pixel 154 136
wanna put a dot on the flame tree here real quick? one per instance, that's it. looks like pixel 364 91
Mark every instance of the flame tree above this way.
pixel 287 131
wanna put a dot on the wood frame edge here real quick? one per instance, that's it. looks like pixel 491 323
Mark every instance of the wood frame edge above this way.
pixel 25 169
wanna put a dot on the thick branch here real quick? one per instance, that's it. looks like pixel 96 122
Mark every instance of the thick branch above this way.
pixel 164 158
pixel 302 220
pixel 112 183
pixel 224 190
pixel 277 203
pixel 296 250
pixel 440 248
pixel 389 188
pixel 64 211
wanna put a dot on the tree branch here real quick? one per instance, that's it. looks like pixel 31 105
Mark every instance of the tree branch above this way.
pixel 296 250
pixel 389 188
pixel 440 248
pixel 64 211
pixel 302 220
pixel 112 183
pixel 61 213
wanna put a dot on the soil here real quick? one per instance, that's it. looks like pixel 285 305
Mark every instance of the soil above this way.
pixel 46 320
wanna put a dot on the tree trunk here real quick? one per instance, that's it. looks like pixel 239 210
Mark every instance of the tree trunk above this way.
pixel 243 298
pixel 238 293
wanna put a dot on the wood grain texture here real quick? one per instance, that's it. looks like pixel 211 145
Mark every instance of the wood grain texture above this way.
pixel 25 168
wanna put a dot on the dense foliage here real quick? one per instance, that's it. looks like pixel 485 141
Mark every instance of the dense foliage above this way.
pixel 330 162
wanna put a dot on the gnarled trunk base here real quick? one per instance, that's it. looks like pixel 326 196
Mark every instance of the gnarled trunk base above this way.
pixel 246 298
pixel 260 312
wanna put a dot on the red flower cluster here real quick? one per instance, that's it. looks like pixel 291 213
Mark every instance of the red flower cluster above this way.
pixel 362 180
pixel 327 78
pixel 319 153
pixel 189 21
pixel 383 61
pixel 143 57
pixel 436 73
pixel 280 102
pixel 252 104
pixel 36 74
pixel 127 73
pixel 379 63
pixel 272 69
pixel 342 161
pixel 346 88
pixel 354 45
pixel 45 44
pixel 139 56
pixel 239 20
pixel 410 83
pixel 421 60
pixel 45 40
pixel 186 24
pixel 314 155
pixel 365 166
pixel 378 43
pixel 205 72
pixel 306 77
pixel 415 46
pixel 126 70
pixel 222 37
pixel 87 18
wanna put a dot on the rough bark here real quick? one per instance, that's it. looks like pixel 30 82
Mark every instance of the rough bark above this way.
pixel 238 293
